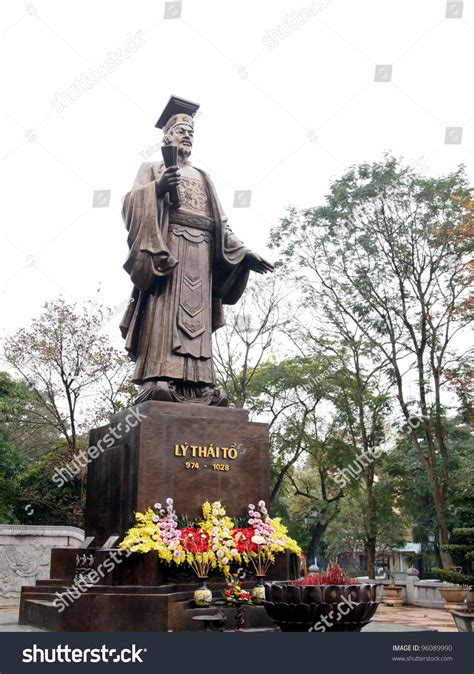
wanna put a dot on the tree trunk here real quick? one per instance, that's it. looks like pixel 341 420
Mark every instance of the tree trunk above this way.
pixel 370 552
pixel 443 531
pixel 313 547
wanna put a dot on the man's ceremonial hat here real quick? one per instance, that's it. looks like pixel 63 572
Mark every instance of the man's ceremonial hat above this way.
pixel 177 111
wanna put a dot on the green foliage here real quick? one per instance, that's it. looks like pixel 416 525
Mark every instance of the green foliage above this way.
pixel 41 501
pixel 12 398
pixel 451 576
pixel 463 553
pixel 11 465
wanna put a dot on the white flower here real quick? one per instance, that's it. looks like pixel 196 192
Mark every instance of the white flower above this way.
pixel 251 506
pixel 234 552
pixel 261 504
pixel 169 501
pixel 258 540
pixel 220 553
pixel 157 506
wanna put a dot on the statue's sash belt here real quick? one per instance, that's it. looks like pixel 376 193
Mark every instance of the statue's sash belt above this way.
pixel 179 217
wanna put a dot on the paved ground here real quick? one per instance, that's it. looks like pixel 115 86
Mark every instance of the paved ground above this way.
pixel 386 619
pixel 414 617
pixel 9 622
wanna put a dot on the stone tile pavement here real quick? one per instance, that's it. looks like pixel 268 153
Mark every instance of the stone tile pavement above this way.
pixel 9 622
pixel 414 617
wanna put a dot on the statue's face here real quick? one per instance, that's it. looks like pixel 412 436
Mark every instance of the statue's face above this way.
pixel 182 135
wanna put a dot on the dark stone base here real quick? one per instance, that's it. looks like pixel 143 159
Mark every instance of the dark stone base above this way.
pixel 139 594
pixel 115 610
pixel 147 453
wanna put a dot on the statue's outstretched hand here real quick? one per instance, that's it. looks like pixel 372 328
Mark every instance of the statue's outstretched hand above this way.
pixel 256 263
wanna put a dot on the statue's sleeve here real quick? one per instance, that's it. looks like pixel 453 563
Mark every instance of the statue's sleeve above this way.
pixel 146 219
pixel 230 271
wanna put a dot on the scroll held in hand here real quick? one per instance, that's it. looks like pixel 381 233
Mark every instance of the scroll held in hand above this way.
pixel 170 157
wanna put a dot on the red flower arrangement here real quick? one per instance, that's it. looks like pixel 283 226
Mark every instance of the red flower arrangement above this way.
pixel 333 576
pixel 194 540
pixel 235 595
pixel 243 539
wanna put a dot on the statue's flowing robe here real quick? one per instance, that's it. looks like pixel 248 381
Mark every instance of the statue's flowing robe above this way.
pixel 184 264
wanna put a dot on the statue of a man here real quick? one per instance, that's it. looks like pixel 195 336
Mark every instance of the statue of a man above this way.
pixel 185 263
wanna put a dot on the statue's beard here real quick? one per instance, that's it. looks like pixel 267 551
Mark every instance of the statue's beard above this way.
pixel 184 151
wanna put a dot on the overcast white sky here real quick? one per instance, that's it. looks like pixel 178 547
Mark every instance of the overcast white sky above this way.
pixel 289 100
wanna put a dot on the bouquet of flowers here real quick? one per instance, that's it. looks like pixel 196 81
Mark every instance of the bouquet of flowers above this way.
pixel 235 595
pixel 208 545
pixel 263 539
pixel 214 542
pixel 157 530
pixel 195 543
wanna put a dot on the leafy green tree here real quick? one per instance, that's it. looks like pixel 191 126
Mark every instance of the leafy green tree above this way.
pixel 354 527
pixel 381 252
pixel 12 398
pixel 76 378
pixel 413 490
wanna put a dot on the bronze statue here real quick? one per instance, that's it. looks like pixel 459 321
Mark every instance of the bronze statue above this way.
pixel 185 263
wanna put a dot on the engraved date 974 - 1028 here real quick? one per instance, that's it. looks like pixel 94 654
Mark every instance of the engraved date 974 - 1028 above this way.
pixel 194 465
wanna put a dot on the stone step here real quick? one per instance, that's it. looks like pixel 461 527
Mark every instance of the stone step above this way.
pixel 40 613
pixel 100 589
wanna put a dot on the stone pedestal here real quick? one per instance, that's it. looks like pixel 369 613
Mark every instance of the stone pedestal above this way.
pixel 146 454
pixel 189 452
